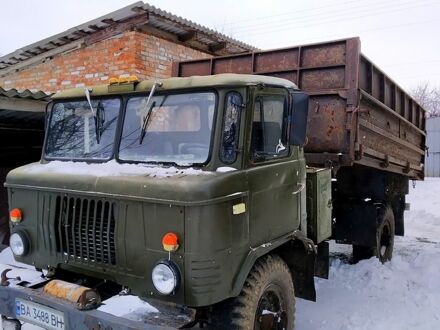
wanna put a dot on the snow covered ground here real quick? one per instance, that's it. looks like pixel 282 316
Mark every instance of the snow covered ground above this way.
pixel 402 294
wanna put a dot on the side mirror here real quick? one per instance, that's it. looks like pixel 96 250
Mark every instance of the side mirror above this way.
pixel 298 118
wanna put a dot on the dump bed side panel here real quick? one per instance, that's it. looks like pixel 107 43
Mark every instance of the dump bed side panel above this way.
pixel 358 115
pixel 391 125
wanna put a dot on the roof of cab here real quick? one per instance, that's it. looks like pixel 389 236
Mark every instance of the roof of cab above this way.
pixel 225 79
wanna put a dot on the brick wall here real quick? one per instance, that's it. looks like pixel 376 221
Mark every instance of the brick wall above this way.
pixel 129 53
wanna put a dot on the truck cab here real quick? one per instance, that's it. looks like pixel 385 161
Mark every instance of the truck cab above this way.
pixel 177 191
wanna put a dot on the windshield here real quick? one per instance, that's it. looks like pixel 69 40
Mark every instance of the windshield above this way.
pixel 170 129
pixel 78 131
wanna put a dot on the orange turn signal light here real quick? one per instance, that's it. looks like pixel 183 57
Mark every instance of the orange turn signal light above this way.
pixel 170 242
pixel 16 215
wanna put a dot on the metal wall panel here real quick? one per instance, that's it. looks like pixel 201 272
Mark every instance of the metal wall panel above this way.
pixel 433 143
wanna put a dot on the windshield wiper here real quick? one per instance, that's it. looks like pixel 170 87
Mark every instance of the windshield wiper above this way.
pixel 148 115
pixel 87 92
pixel 146 122
pixel 99 121
pixel 96 114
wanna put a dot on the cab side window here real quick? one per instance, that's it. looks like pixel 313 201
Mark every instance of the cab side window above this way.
pixel 231 125
pixel 269 128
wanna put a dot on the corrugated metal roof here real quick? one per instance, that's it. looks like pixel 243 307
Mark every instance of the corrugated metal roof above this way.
pixel 26 94
pixel 191 33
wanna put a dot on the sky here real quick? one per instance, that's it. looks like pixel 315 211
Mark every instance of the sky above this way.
pixel 400 36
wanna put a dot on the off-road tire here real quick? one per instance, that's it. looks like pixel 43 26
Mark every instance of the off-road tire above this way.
pixel 270 281
pixel 385 231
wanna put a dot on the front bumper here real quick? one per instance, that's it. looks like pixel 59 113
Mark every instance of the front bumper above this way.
pixel 80 319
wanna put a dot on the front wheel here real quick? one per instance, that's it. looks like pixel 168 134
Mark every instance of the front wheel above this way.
pixel 266 302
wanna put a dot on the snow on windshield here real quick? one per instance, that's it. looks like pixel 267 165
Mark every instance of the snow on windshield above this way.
pixel 110 168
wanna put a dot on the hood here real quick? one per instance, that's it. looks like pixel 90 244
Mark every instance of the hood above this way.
pixel 135 181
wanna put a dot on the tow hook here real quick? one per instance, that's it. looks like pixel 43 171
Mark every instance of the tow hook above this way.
pixel 5 279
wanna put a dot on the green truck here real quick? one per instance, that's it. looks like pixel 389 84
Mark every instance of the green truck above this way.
pixel 211 195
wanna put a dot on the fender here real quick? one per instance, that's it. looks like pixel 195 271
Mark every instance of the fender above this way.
pixel 297 251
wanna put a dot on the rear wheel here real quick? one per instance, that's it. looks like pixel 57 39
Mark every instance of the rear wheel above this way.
pixel 267 300
pixel 385 236
pixel 383 249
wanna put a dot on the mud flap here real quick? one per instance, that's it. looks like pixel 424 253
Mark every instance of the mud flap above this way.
pixel 300 255
pixel 356 223
pixel 304 271
pixel 322 262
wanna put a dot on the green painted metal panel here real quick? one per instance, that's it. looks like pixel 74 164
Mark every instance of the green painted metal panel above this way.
pixel 319 204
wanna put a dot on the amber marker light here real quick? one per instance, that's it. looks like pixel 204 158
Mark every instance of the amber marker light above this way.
pixel 16 215
pixel 133 79
pixel 170 242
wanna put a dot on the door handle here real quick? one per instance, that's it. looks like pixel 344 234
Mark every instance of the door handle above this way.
pixel 299 188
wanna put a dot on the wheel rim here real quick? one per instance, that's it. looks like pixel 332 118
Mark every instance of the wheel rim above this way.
pixel 385 242
pixel 271 312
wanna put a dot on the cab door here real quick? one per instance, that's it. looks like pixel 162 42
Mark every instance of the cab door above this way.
pixel 273 169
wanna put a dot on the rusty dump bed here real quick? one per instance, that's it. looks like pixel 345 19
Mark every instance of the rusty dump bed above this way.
pixel 358 115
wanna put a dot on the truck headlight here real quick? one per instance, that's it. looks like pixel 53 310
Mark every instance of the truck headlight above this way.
pixel 165 276
pixel 19 244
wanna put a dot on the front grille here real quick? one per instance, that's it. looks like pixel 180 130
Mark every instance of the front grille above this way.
pixel 85 229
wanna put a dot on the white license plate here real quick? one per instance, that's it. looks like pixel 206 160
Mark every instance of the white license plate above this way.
pixel 41 315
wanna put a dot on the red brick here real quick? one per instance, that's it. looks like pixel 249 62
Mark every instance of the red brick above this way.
pixel 147 56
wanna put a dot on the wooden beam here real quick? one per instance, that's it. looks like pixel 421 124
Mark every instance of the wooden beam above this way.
pixel 173 38
pixel 29 52
pixel 116 28
pixel 41 57
pixel 81 33
pixel 109 21
pixel 95 27
pixel 65 40
pixel 217 47
pixel 190 35
pixel 41 49
pixel 148 29
pixel 54 44
pixel 139 10
pixel 18 104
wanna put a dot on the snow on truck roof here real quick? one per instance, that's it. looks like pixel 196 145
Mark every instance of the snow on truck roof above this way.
pixel 225 79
